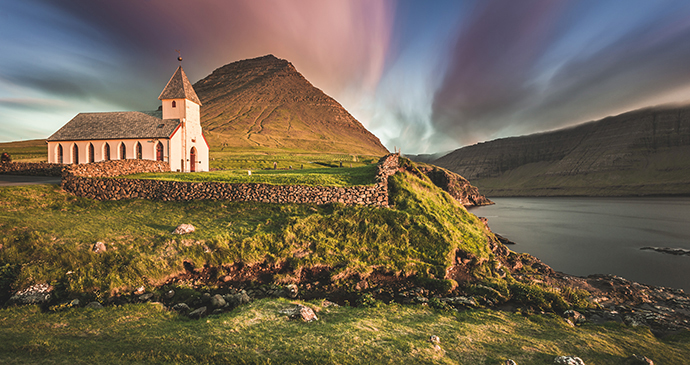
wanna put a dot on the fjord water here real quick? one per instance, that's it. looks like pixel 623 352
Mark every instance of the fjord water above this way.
pixel 584 236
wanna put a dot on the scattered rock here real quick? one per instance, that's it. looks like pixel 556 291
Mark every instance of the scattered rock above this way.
pixel 184 229
pixel 170 294
pixel 568 360
pixel 181 307
pixel 327 304
pixel 434 339
pixel 140 290
pixel 300 312
pixel 638 360
pixel 98 247
pixel 217 301
pixel 146 297
pixel 510 362
pixel 197 313
pixel 94 305
pixel 75 303
pixel 237 299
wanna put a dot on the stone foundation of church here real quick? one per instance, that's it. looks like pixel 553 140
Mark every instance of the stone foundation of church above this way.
pixel 95 181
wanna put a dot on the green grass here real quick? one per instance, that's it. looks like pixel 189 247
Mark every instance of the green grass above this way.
pixel 50 233
pixel 26 151
pixel 258 334
pixel 262 159
pixel 363 175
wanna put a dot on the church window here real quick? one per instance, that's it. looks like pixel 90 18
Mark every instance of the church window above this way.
pixel 75 154
pixel 138 150
pixel 123 151
pixel 174 104
pixel 159 151
pixel 106 152
pixel 91 153
pixel 59 153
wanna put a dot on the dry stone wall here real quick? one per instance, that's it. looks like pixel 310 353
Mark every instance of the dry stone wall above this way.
pixel 31 168
pixel 116 168
pixel 82 181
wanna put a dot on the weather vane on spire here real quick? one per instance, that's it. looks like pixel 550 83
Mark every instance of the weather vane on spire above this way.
pixel 179 56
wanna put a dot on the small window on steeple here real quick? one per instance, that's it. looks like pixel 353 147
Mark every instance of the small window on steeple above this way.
pixel 174 104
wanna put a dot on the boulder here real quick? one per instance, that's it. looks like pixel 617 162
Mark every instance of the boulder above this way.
pixel 237 299
pixel 94 305
pixel 292 291
pixel 574 317
pixel 217 301
pixel 146 297
pixel 301 312
pixel 511 362
pixel 568 360
pixel 181 307
pixel 434 339
pixel 98 247
pixel 35 294
pixel 184 229
pixel 197 313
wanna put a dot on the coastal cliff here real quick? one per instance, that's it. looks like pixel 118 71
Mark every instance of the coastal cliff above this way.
pixel 643 152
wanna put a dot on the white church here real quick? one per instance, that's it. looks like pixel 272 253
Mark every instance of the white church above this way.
pixel 172 134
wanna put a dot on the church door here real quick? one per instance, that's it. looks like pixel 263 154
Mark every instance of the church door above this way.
pixel 159 152
pixel 192 160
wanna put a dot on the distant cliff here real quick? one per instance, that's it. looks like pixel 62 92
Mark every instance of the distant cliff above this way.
pixel 643 152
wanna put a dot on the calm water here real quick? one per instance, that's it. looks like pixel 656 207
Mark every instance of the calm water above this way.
pixel 583 236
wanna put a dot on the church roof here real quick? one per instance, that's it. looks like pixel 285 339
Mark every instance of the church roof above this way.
pixel 179 87
pixel 116 125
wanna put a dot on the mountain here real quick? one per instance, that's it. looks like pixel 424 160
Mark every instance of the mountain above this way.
pixel 265 103
pixel 642 152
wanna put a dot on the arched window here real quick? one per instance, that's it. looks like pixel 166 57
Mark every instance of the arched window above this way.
pixel 138 150
pixel 59 153
pixel 75 154
pixel 174 104
pixel 159 151
pixel 192 160
pixel 91 153
pixel 123 151
pixel 106 152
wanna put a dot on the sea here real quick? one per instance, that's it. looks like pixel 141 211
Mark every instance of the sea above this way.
pixel 584 236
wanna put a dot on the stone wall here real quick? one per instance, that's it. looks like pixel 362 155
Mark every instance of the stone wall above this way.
pixel 31 168
pixel 81 182
pixel 115 168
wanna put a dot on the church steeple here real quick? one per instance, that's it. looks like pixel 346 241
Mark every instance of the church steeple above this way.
pixel 179 87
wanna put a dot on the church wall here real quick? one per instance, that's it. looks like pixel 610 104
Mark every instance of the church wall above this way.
pixel 148 150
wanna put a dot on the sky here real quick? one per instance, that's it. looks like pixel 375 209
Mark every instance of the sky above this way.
pixel 423 76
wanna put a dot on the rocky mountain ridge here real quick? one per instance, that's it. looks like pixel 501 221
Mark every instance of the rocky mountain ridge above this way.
pixel 266 103
pixel 642 152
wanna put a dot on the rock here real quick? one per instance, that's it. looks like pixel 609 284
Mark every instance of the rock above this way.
pixel 181 307
pixel 35 294
pixel 94 305
pixel 574 317
pixel 98 247
pixel 217 301
pixel 197 313
pixel 510 362
pixel 292 291
pixel 327 304
pixel 184 229
pixel 434 339
pixel 75 303
pixel 146 297
pixel 638 360
pixel 140 290
pixel 568 360
pixel 669 250
pixel 300 312
pixel 238 299
pixel 170 294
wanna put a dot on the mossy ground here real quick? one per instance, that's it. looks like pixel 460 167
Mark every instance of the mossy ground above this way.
pixel 258 334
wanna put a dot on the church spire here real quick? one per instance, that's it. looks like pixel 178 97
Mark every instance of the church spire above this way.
pixel 179 87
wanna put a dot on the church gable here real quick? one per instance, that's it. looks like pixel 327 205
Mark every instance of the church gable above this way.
pixel 115 125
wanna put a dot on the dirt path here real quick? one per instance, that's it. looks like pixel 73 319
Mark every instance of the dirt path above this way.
pixel 17 180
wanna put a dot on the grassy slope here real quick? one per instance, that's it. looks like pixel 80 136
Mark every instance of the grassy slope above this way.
pixel 50 233
pixel 34 150
pixel 258 334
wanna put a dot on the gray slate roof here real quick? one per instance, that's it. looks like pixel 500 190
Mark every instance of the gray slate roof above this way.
pixel 179 87
pixel 116 125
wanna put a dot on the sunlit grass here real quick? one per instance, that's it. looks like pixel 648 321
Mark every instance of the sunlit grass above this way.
pixel 258 334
